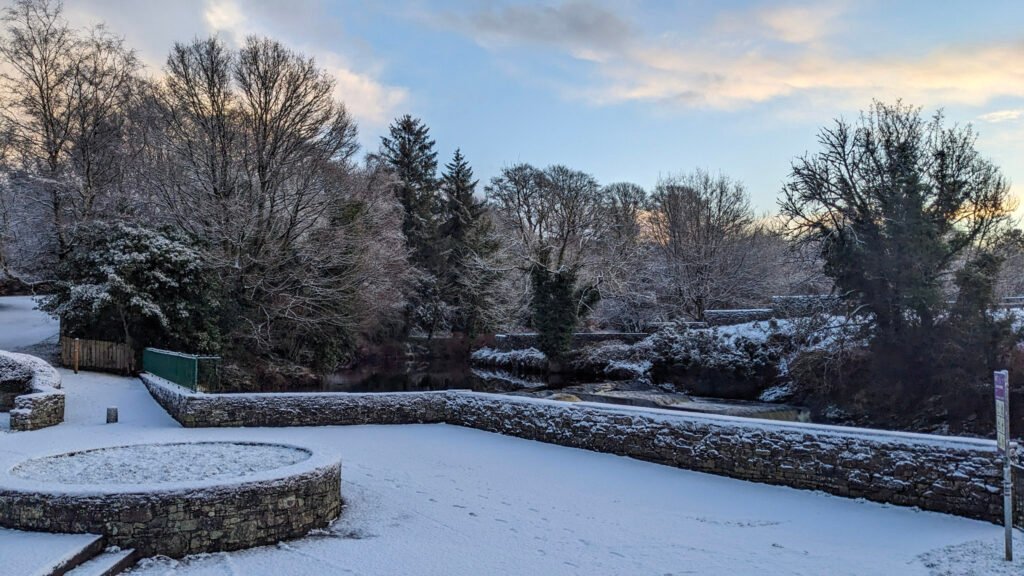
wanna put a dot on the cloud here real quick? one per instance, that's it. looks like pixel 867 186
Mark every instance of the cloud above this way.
pixel 791 24
pixel 586 30
pixel 787 53
pixel 1002 115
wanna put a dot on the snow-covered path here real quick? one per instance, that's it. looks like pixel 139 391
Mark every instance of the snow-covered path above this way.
pixel 437 499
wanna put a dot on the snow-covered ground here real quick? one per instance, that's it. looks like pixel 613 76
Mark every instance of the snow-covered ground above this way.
pixel 159 463
pixel 438 499
pixel 445 500
pixel 21 325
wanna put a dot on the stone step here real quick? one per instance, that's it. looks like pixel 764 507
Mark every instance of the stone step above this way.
pixel 44 554
pixel 108 563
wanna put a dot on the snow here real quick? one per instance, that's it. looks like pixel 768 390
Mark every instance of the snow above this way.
pixel 159 463
pixel 23 325
pixel 440 499
pixel 38 553
pixel 530 357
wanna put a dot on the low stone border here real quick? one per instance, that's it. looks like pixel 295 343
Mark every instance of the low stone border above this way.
pixel 186 517
pixel 43 404
pixel 199 410
pixel 959 476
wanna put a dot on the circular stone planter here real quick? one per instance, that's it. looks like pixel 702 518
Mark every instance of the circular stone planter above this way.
pixel 176 499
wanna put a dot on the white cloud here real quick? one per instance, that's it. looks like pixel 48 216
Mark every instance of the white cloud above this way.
pixel 786 52
pixel 1002 115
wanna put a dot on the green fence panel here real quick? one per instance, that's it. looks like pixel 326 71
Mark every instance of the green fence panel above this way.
pixel 188 370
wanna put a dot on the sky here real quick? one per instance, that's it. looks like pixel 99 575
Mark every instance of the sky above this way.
pixel 630 90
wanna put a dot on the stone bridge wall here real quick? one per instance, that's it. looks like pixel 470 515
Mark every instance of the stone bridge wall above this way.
pixel 953 475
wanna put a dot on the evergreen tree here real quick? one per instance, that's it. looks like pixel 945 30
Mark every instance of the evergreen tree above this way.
pixel 469 242
pixel 558 302
pixel 894 203
pixel 140 286
pixel 409 151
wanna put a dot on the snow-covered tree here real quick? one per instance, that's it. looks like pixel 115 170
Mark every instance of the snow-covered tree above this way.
pixel 409 150
pixel 556 219
pixel 469 274
pixel 903 208
pixel 712 247
pixel 140 286
pixel 66 100
pixel 254 157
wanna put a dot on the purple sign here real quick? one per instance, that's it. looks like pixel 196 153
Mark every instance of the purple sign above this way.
pixel 1002 411
pixel 1000 378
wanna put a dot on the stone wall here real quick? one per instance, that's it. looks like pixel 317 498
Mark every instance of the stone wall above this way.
pixel 952 475
pixel 186 521
pixel 43 403
pixel 955 475
pixel 298 409
pixel 730 317
pixel 506 342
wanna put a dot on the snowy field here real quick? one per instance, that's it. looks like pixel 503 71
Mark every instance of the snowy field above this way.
pixel 22 326
pixel 445 500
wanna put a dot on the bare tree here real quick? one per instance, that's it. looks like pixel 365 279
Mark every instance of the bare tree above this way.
pixel 556 219
pixel 556 214
pixel 256 160
pixel 628 295
pixel 713 249
pixel 65 96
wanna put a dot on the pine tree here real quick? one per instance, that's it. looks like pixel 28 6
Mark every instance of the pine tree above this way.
pixel 468 240
pixel 409 150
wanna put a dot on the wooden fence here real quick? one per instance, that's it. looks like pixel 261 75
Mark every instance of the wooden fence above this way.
pixel 97 355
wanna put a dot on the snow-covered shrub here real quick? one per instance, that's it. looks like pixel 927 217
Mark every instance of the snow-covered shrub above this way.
pixel 615 360
pixel 749 352
pixel 13 373
pixel 529 359
pixel 128 283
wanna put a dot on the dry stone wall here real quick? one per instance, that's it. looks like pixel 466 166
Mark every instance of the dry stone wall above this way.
pixel 299 409
pixel 953 475
pixel 42 404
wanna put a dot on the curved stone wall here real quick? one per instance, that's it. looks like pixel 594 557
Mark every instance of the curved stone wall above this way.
pixel 42 404
pixel 183 518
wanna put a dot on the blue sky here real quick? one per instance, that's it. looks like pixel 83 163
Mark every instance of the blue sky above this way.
pixel 630 90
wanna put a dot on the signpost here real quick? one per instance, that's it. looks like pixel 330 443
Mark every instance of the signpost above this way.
pixel 1002 386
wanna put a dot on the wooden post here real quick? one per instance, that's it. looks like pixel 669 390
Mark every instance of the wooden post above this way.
pixel 78 351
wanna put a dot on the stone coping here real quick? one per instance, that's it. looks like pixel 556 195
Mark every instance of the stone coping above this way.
pixel 12 483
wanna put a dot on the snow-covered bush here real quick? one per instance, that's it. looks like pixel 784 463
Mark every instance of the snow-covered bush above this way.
pixel 132 284
pixel 13 374
pixel 529 359
pixel 749 351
